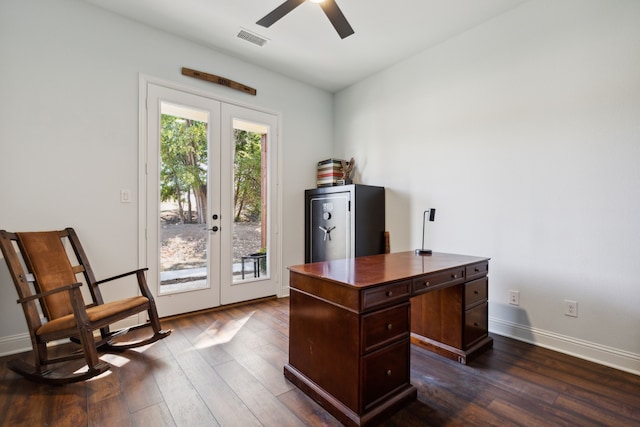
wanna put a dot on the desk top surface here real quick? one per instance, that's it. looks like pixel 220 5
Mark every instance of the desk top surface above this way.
pixel 375 269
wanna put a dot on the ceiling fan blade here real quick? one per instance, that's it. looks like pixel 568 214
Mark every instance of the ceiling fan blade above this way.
pixel 279 12
pixel 337 18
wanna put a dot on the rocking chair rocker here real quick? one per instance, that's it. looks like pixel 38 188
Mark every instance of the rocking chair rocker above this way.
pixel 49 291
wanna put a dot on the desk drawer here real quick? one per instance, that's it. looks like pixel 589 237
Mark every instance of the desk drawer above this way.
pixel 475 292
pixel 382 327
pixel 477 270
pixel 386 294
pixel 438 280
pixel 384 371
pixel 475 324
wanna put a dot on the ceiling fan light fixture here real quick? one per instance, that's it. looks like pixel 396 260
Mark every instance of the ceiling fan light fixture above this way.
pixel 330 8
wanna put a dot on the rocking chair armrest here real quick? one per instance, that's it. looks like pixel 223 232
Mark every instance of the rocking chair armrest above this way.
pixel 40 295
pixel 120 276
pixel 142 283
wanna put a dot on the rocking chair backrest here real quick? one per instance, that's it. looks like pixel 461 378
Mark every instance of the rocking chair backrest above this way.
pixel 46 258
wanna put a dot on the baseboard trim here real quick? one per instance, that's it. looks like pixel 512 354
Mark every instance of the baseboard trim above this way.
pixel 14 344
pixel 593 352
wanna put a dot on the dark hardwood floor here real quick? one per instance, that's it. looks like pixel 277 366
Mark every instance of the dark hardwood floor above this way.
pixel 224 368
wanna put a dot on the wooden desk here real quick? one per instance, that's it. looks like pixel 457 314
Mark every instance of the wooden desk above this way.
pixel 352 322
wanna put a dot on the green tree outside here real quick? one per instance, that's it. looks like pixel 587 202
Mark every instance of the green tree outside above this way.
pixel 183 172
pixel 247 177
pixel 183 151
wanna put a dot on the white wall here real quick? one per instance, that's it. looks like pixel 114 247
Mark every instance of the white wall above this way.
pixel 69 129
pixel 524 134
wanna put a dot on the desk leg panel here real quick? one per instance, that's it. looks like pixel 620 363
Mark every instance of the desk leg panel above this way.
pixel 341 412
pixel 324 346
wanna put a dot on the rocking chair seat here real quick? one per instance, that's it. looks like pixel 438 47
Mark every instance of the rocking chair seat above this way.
pixel 96 314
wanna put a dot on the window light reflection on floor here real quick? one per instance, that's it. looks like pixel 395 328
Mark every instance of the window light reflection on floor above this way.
pixel 112 359
pixel 219 333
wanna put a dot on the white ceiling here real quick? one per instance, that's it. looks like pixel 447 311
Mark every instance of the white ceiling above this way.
pixel 303 44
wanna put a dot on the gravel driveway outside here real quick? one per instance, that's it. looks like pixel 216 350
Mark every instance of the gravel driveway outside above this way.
pixel 183 245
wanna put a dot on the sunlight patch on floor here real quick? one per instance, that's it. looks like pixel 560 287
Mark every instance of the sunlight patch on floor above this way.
pixel 97 377
pixel 219 333
pixel 114 359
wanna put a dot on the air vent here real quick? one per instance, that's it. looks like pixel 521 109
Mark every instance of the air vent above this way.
pixel 251 38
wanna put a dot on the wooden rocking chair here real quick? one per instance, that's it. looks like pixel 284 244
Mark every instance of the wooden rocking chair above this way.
pixel 44 273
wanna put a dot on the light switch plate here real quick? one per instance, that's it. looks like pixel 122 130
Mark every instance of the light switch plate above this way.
pixel 125 196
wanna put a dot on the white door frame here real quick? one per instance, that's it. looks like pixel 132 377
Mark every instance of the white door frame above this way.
pixel 274 191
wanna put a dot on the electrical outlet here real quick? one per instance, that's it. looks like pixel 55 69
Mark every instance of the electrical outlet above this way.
pixel 514 297
pixel 570 308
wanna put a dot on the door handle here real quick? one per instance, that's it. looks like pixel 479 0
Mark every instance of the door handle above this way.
pixel 215 227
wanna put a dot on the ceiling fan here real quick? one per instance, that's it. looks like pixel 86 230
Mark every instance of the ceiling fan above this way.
pixel 329 7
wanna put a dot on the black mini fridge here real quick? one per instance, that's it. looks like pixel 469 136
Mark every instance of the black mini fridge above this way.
pixel 344 222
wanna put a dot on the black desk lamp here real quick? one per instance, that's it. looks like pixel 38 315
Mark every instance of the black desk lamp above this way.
pixel 432 217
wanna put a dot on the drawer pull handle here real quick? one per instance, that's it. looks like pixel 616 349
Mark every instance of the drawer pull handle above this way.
pixel 427 284
pixel 389 326
pixel 389 293
pixel 389 372
pixel 454 276
pixel 476 324
pixel 477 270
pixel 475 292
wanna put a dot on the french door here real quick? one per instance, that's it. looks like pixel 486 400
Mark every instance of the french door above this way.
pixel 209 192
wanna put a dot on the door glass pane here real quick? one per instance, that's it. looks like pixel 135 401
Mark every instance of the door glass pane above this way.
pixel 184 237
pixel 249 202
